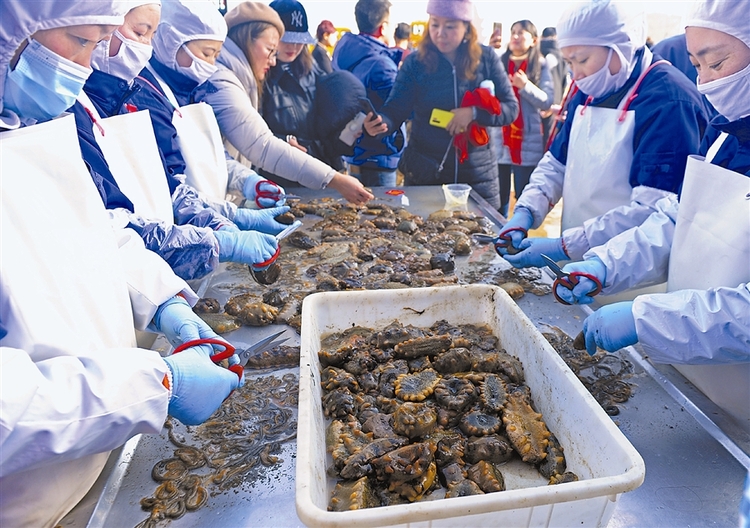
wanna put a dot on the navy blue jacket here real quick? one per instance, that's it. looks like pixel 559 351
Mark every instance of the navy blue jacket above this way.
pixel 417 92
pixel 669 123
pixel 734 153
pixel 376 66
pixel 110 192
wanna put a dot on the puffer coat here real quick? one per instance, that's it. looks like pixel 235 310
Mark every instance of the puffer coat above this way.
pixel 428 144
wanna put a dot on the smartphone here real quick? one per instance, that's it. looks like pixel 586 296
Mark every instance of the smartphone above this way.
pixel 497 28
pixel 366 106
pixel 440 118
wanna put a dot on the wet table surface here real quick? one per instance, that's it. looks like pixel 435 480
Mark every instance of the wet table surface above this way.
pixel 696 457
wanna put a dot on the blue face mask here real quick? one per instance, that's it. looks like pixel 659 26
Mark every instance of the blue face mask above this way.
pixel 43 84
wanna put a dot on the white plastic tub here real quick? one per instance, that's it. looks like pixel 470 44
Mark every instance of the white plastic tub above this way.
pixel 595 449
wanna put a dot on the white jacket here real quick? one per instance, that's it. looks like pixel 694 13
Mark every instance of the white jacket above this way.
pixel 545 188
pixel 702 326
pixel 246 135
pixel 73 386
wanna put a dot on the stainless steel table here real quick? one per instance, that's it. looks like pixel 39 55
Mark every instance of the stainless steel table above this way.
pixel 696 457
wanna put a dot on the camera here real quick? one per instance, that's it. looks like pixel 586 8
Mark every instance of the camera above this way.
pixel 353 129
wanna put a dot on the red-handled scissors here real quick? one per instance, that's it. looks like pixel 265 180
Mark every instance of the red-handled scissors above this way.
pixel 216 358
pixel 569 280
pixel 262 192
pixel 265 343
pixel 504 241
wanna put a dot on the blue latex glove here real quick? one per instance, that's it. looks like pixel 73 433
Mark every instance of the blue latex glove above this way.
pixel 522 218
pixel 253 184
pixel 533 248
pixel 198 385
pixel 177 321
pixel 612 327
pixel 579 294
pixel 246 247
pixel 263 220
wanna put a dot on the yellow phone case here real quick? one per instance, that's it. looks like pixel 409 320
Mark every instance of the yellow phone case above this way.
pixel 440 118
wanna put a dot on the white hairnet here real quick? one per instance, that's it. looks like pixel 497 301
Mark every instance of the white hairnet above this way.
pixel 730 17
pixel 183 21
pixel 19 19
pixel 603 23
pixel 103 47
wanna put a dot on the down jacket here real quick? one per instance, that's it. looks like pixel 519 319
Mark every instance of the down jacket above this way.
pixel 427 143
pixel 533 99
pixel 246 135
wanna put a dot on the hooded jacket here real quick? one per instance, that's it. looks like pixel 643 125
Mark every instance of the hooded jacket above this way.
pixel 288 108
pixel 376 65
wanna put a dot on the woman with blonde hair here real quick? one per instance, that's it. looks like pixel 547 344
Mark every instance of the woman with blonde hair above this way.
pixel 466 79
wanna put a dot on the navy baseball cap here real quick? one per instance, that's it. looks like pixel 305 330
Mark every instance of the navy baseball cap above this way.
pixel 294 17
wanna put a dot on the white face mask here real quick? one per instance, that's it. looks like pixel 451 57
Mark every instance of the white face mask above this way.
pixel 729 95
pixel 199 70
pixel 131 58
pixel 603 82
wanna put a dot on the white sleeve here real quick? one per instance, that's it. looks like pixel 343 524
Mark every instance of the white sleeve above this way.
pixel 599 230
pixel 544 189
pixel 245 129
pixel 150 280
pixel 640 256
pixel 71 406
pixel 540 96
pixel 695 326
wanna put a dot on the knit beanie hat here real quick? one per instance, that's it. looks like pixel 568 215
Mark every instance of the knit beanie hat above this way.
pixel 451 9
pixel 253 12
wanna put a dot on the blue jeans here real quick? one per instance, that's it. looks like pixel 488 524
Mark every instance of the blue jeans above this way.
pixel 376 177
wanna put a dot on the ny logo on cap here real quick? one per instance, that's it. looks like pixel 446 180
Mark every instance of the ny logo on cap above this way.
pixel 297 18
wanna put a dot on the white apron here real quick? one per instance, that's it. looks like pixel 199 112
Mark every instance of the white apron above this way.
pixel 597 173
pixel 129 146
pixel 714 221
pixel 63 282
pixel 200 144
pixel 600 153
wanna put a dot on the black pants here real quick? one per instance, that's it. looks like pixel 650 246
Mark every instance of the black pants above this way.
pixel 521 177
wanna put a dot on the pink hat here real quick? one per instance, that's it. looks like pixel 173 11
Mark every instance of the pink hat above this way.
pixel 452 9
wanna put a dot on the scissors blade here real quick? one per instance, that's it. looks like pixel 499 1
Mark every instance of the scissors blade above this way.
pixel 289 230
pixel 557 270
pixel 482 238
pixel 267 342
pixel 289 197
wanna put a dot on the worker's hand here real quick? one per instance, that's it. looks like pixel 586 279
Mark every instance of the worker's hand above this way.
pixel 462 118
pixel 534 248
pixel 179 324
pixel 264 193
pixel 580 292
pixel 198 385
pixel 611 327
pixel 292 140
pixel 350 188
pixel 245 247
pixel 514 230
pixel 263 220
pixel 519 79
pixel 374 125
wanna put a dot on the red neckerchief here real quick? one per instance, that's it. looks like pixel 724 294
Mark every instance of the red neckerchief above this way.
pixel 481 98
pixel 513 133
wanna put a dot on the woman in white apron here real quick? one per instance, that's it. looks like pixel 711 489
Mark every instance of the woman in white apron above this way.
pixel 73 384
pixel 632 120
pixel 170 216
pixel 703 242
